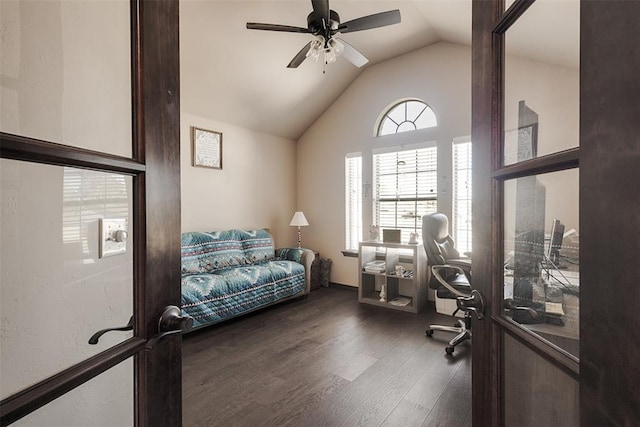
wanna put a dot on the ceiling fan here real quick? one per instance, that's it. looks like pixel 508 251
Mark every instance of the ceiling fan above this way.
pixel 324 24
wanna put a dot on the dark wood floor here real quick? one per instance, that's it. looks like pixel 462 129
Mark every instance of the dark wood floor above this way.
pixel 326 361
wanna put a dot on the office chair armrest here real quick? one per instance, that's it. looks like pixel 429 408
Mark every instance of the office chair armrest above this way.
pixel 463 263
pixel 436 269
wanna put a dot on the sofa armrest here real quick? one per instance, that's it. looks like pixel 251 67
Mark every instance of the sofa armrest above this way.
pixel 302 256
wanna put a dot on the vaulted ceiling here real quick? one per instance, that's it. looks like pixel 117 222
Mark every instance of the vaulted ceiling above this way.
pixel 240 76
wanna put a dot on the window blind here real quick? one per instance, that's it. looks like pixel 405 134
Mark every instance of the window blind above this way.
pixel 406 185
pixel 462 156
pixel 90 195
pixel 353 200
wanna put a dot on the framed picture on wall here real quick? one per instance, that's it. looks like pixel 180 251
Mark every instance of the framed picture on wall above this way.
pixel 520 144
pixel 528 142
pixel 206 148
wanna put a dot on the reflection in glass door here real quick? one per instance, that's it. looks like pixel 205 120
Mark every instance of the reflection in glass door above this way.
pixel 535 205
pixel 57 290
pixel 533 381
pixel 541 253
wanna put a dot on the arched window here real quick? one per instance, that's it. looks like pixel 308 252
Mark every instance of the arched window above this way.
pixel 407 116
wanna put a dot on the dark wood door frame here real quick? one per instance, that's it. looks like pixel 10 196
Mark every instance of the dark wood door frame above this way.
pixel 486 384
pixel 610 232
pixel 609 155
pixel 158 130
pixel 155 168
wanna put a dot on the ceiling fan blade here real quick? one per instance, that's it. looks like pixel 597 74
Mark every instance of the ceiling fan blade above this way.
pixel 321 8
pixel 276 27
pixel 352 54
pixel 381 19
pixel 300 56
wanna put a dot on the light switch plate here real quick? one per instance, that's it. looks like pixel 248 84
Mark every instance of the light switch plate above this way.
pixel 113 236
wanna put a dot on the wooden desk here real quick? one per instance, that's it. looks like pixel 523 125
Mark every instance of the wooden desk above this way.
pixel 566 336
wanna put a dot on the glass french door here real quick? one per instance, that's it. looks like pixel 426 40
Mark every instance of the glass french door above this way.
pixel 554 141
pixel 89 147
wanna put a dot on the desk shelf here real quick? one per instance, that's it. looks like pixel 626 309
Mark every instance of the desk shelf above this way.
pixel 411 287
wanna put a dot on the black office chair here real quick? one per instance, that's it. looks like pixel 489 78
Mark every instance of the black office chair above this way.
pixel 450 277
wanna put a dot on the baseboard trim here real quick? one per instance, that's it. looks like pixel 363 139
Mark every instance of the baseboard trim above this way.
pixel 340 285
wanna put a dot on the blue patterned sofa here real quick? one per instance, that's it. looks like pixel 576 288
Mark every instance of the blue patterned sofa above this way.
pixel 229 273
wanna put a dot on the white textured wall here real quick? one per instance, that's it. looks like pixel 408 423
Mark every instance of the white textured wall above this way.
pixel 66 72
pixel 256 187
pixel 553 92
pixel 56 291
pixel 440 75
pixel 99 402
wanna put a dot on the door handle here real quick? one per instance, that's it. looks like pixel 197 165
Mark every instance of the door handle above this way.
pixel 472 303
pixel 170 323
pixel 95 337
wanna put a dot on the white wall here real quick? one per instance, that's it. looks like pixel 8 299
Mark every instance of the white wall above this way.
pixel 66 73
pixel 256 187
pixel 439 75
pixel 553 93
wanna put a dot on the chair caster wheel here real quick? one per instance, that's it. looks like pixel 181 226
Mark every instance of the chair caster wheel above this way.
pixel 429 332
pixel 449 349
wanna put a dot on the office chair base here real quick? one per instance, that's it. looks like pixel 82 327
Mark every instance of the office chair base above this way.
pixel 462 334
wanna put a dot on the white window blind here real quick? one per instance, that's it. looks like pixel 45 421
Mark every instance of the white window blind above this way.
pixel 89 195
pixel 406 186
pixel 462 194
pixel 353 200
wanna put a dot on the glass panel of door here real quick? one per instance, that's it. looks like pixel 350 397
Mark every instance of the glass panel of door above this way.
pixel 66 73
pixel 541 81
pixel 541 245
pixel 66 267
pixel 106 400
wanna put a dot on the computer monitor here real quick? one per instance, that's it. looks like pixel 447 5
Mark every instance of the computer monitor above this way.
pixel 529 248
pixel 555 242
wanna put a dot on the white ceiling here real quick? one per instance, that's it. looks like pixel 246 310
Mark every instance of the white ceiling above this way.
pixel 239 76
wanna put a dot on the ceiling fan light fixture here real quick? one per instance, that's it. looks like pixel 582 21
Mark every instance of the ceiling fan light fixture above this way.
pixel 336 46
pixel 324 23
pixel 329 56
pixel 316 48
pixel 314 54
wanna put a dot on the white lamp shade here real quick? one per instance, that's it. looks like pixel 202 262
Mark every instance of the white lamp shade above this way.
pixel 299 220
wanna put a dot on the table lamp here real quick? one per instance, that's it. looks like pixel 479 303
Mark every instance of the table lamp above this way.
pixel 298 220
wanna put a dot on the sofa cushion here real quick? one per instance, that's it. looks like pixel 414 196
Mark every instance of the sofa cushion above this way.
pixel 290 254
pixel 257 245
pixel 210 252
pixel 210 298
pixel 282 269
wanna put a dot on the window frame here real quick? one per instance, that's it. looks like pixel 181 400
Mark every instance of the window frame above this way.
pixel 386 116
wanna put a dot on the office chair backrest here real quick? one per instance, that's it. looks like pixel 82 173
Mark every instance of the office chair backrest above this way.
pixel 438 245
